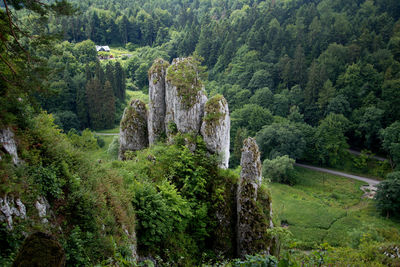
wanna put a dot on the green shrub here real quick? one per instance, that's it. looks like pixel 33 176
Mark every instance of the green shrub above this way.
pixel 85 141
pixel 45 178
pixel 113 148
pixel 279 170
pixel 100 141
pixel 257 261
pixel 75 248
pixel 388 196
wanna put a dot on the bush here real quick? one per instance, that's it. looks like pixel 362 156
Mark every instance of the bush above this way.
pixel 47 181
pixel 388 196
pixel 161 212
pixel 86 140
pixel 113 148
pixel 280 170
pixel 100 141
pixel 257 260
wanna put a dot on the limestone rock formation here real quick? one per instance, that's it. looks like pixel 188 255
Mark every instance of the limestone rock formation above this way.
pixel 7 142
pixel 40 249
pixel 216 127
pixel 11 208
pixel 253 208
pixel 251 163
pixel 184 97
pixel 133 128
pixel 43 208
pixel 157 106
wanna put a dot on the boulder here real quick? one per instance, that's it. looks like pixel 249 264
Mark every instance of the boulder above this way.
pixel 184 97
pixel 41 250
pixel 215 128
pixel 133 128
pixel 157 106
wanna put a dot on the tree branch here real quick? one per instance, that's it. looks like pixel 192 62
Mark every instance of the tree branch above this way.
pixel 8 64
pixel 12 29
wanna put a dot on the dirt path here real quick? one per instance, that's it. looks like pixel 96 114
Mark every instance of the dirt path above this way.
pixel 355 152
pixel 107 134
pixel 360 178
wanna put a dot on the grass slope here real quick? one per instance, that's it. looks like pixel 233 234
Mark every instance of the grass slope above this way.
pixel 137 95
pixel 326 208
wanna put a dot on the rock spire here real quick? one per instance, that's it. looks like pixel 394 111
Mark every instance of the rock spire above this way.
pixel 133 128
pixel 215 128
pixel 157 105
pixel 184 97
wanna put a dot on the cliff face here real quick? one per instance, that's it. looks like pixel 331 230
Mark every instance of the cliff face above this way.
pixel 184 97
pixel 215 128
pixel 157 105
pixel 7 142
pixel 133 129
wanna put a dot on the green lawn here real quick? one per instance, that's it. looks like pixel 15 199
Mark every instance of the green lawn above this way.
pixel 326 208
pixel 114 130
pixel 101 153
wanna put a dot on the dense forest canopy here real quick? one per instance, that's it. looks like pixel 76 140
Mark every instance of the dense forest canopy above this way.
pixel 283 62
pixel 309 80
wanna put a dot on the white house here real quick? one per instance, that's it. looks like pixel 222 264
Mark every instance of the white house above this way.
pixel 104 48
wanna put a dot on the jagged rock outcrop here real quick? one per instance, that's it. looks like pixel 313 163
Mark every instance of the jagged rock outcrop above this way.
pixel 253 207
pixel 40 249
pixel 184 97
pixel 215 128
pixel 157 106
pixel 43 208
pixel 8 144
pixel 11 208
pixel 133 128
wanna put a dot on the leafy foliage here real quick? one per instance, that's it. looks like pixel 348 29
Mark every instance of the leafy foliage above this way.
pixel 388 194
pixel 279 169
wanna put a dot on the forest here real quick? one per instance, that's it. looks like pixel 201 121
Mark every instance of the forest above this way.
pixel 311 81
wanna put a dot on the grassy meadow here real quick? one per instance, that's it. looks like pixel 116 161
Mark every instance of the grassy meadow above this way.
pixel 324 208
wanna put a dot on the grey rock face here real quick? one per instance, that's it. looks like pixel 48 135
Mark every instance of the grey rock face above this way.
pixel 251 163
pixel 250 225
pixel 133 129
pixel 157 104
pixel 8 142
pixel 184 97
pixel 215 128
pixel 43 208
pixel 11 208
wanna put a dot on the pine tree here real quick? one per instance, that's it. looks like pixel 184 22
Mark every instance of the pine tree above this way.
pixel 99 73
pixel 119 81
pixel 110 76
pixel 316 80
pixel 93 95
pixel 299 67
pixel 108 110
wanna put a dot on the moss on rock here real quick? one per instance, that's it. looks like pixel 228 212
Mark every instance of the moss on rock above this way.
pixel 159 67
pixel 185 75
pixel 133 128
pixel 212 111
pixel 41 250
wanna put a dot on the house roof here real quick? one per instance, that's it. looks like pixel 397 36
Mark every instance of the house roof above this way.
pixel 102 48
